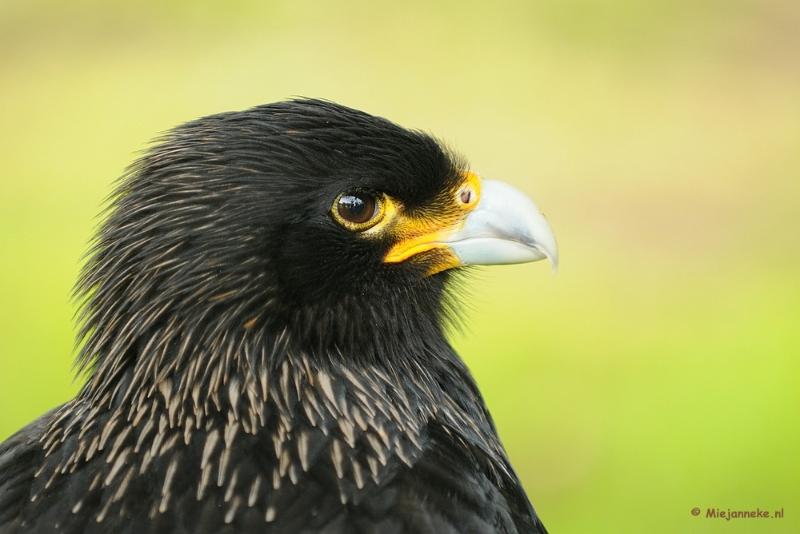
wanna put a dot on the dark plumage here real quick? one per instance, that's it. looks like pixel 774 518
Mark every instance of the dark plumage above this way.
pixel 256 363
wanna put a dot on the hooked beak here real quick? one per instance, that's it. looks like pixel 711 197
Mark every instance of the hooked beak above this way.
pixel 505 227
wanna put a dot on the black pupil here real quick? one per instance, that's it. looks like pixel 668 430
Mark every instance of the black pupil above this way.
pixel 356 208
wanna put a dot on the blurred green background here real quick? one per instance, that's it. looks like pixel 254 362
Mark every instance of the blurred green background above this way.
pixel 657 372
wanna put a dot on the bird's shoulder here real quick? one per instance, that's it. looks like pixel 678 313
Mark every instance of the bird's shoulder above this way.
pixel 19 456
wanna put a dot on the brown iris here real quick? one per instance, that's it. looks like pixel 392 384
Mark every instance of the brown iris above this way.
pixel 356 208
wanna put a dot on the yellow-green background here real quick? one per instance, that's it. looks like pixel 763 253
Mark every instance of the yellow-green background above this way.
pixel 657 372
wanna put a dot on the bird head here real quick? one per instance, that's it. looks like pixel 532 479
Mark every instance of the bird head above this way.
pixel 304 220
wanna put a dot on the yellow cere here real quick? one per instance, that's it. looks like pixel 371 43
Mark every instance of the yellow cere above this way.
pixel 424 231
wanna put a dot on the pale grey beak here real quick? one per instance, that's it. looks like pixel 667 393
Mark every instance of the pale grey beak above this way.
pixel 505 227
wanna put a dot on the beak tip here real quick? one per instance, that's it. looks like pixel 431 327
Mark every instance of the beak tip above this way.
pixel 505 227
pixel 545 242
pixel 551 254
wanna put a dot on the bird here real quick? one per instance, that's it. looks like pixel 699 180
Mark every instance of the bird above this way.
pixel 263 337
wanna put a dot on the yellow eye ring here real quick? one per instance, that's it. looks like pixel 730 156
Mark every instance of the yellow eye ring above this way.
pixel 358 210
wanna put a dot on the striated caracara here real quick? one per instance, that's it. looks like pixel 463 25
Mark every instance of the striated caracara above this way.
pixel 263 329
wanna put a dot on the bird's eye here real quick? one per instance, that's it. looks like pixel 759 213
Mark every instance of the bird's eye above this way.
pixel 357 210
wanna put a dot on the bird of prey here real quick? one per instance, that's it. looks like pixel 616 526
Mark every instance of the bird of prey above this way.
pixel 263 331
